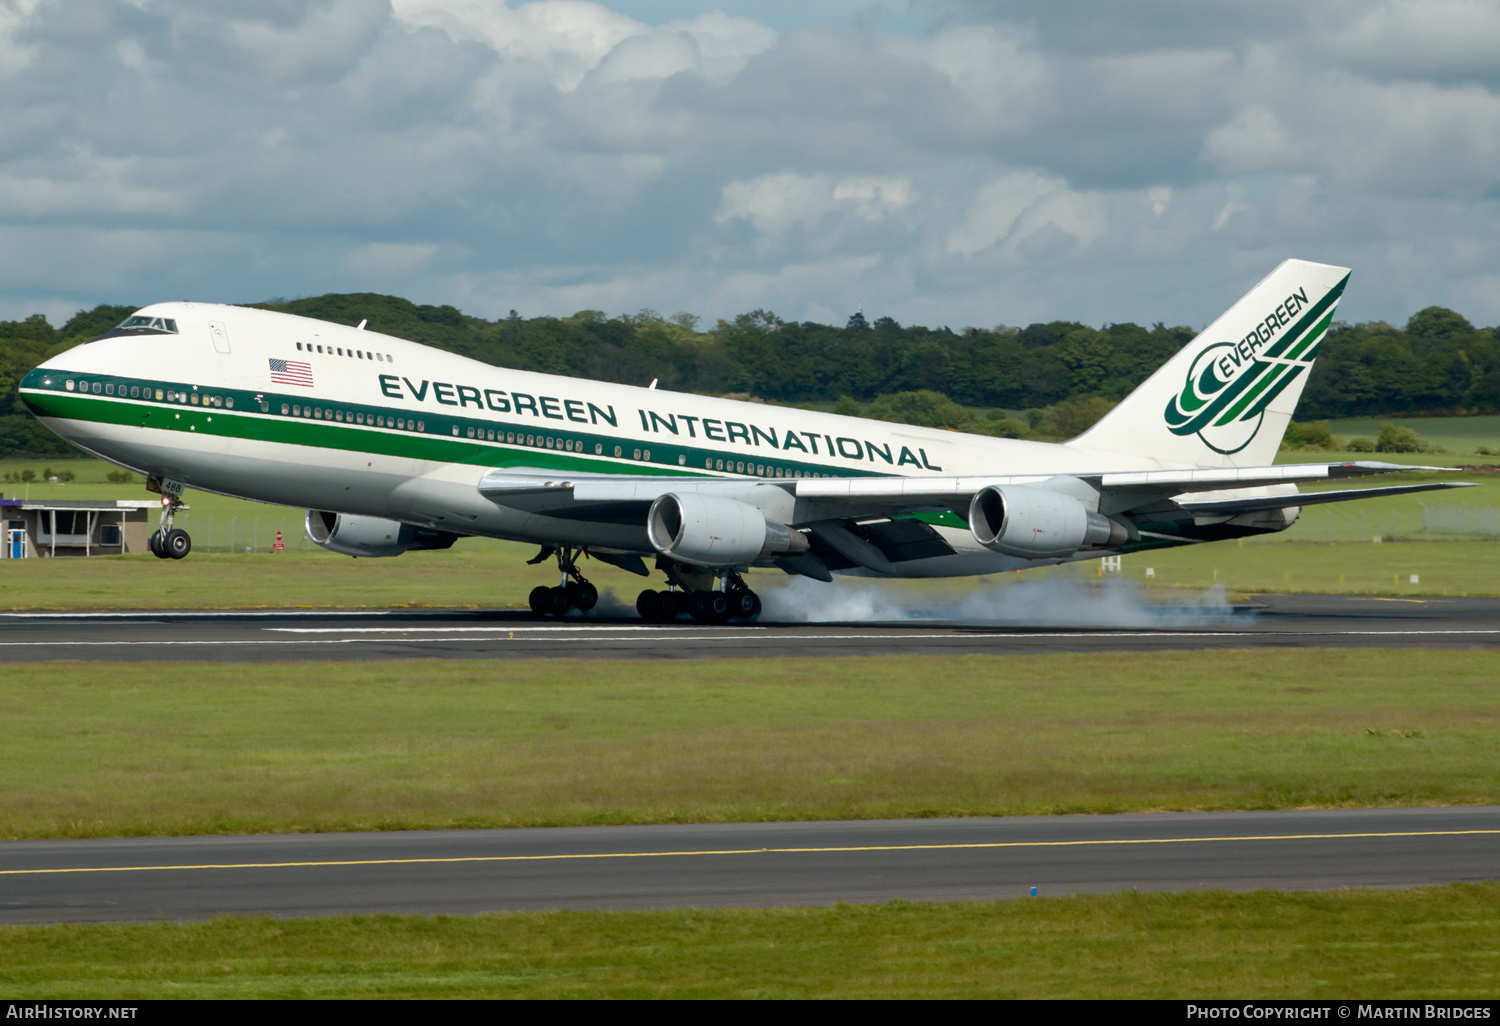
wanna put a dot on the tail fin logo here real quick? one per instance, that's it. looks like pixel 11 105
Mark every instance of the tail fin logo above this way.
pixel 1224 398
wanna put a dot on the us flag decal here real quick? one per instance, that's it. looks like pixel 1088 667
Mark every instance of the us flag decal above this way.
pixel 291 372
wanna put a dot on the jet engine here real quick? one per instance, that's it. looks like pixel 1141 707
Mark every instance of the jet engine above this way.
pixel 371 536
pixel 1034 523
pixel 708 530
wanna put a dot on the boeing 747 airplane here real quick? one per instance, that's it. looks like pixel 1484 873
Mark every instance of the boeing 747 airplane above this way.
pixel 393 446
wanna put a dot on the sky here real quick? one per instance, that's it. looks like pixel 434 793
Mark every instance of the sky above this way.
pixel 939 162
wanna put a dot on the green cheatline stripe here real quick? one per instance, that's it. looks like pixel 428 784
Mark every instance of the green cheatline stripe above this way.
pixel 1281 386
pixel 1319 308
pixel 438 445
pixel 1306 353
pixel 1305 328
pixel 1312 337
pixel 1278 371
pixel 1188 399
pixel 1220 401
pixel 1264 378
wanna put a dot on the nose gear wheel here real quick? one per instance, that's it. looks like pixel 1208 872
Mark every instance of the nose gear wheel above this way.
pixel 168 542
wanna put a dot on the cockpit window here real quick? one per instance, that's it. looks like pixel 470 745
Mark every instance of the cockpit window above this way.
pixel 136 321
pixel 140 324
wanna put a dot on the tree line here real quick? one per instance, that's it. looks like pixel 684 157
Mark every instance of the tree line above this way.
pixel 1045 381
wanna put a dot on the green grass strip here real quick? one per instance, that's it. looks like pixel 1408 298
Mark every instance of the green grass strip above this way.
pixel 1440 942
pixel 91 750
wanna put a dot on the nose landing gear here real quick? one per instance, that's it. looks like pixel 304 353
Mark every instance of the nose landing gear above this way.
pixel 169 542
pixel 574 592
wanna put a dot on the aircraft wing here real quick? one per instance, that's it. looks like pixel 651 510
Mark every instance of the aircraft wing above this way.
pixel 798 501
pixel 877 523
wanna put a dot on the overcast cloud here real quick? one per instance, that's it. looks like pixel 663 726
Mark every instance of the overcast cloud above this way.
pixel 941 163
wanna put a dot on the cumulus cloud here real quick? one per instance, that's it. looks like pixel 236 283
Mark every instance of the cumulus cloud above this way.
pixel 560 154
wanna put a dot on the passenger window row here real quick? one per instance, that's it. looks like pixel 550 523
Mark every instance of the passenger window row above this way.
pixel 352 417
pixel 146 392
pixel 569 445
pixel 757 469
pixel 353 354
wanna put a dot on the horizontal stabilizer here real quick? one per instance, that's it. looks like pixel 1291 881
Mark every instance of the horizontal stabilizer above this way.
pixel 1234 507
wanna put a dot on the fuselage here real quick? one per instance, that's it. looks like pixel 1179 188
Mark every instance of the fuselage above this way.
pixel 299 412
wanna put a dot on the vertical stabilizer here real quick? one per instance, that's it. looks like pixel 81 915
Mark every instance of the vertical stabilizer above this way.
pixel 1226 398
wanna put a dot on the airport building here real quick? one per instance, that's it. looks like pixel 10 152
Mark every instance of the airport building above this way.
pixel 76 527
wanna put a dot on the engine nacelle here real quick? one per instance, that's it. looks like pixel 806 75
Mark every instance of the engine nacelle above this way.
pixel 1034 523
pixel 708 530
pixel 371 536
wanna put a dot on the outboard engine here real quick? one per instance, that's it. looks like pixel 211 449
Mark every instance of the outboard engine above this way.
pixel 1034 523
pixel 371 536
pixel 707 530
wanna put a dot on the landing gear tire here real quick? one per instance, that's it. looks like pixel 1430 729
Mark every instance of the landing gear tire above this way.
pixel 709 606
pixel 177 543
pixel 668 605
pixel 537 600
pixel 744 604
pixel 155 543
pixel 648 604
pixel 558 602
pixel 583 595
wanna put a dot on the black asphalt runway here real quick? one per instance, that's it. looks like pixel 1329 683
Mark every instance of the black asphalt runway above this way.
pixel 770 864
pixel 1277 621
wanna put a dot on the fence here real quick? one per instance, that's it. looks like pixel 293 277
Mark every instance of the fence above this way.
pixel 1368 521
pixel 244 534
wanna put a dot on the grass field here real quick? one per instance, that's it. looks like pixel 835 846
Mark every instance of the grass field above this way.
pixel 140 749
pixel 1439 942
pixel 1461 436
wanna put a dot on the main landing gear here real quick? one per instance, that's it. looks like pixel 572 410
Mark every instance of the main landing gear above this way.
pixel 698 598
pixel 168 542
pixel 573 593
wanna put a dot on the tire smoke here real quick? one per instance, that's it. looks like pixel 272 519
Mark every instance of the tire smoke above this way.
pixel 1048 602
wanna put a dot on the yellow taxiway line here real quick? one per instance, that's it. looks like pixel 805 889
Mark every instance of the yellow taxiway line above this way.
pixel 745 851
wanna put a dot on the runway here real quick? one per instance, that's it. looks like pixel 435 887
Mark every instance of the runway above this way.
pixel 715 865
pixel 1276 621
